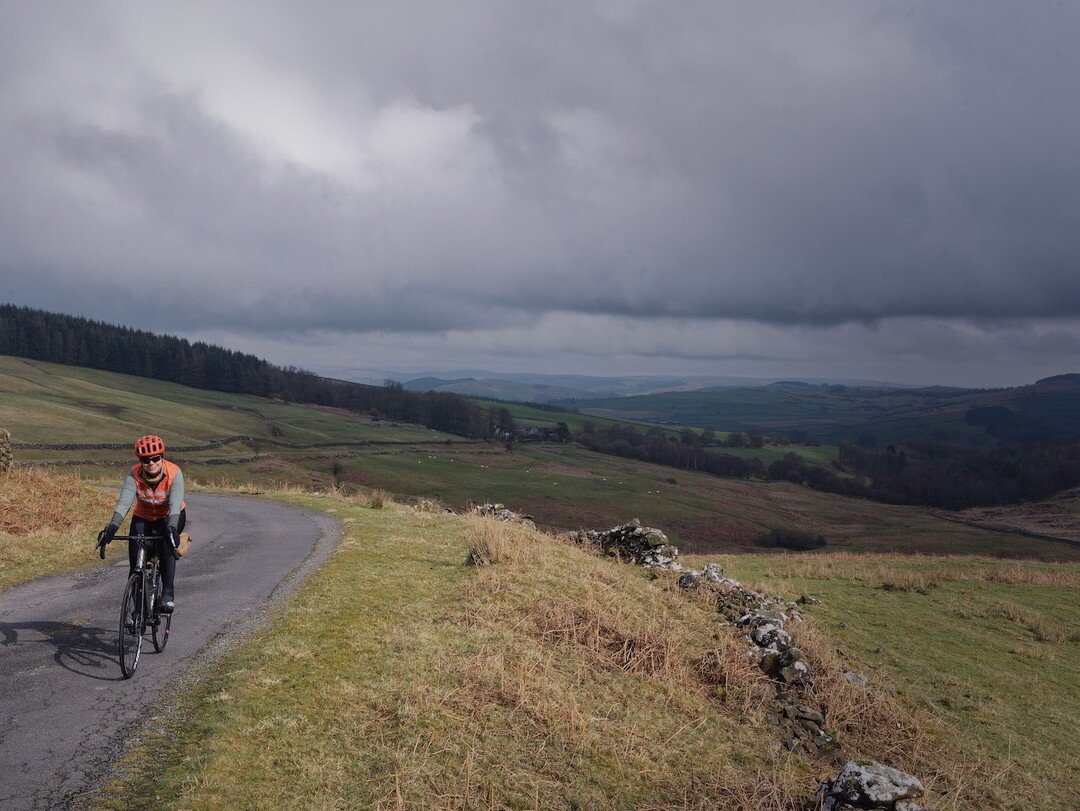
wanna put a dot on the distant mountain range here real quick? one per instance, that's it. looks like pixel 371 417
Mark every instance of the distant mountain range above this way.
pixel 870 415
pixel 546 388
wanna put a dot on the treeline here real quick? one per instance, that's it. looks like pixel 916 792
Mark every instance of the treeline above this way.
pixel 75 341
pixel 655 445
pixel 942 476
pixel 919 473
pixel 953 478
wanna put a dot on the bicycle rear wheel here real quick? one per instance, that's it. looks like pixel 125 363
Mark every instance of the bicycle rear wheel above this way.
pixel 162 622
pixel 131 625
pixel 161 631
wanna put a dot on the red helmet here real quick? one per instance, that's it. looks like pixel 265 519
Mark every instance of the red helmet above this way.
pixel 151 445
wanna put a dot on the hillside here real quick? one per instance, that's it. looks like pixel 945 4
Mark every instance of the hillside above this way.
pixel 39 335
pixel 399 676
pixel 402 677
pixel 1050 407
pixel 269 444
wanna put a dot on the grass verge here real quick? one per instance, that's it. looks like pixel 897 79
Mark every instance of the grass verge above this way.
pixel 399 676
pixel 48 523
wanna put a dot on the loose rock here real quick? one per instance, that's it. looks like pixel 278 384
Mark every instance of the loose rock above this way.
pixel 500 513
pixel 871 785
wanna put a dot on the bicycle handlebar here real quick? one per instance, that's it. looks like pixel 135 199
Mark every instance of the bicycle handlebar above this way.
pixel 143 540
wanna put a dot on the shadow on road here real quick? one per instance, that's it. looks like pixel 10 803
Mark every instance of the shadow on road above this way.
pixel 81 649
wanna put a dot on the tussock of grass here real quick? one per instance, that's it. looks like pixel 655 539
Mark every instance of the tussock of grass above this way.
pixel 896 579
pixel 379 498
pixel 430 505
pixel 1034 621
pixel 492 541
pixel 734 677
pixel 42 533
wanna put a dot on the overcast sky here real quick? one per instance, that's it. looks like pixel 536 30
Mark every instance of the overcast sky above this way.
pixel 886 190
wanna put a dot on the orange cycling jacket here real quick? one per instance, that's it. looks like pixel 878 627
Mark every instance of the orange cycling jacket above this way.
pixel 152 502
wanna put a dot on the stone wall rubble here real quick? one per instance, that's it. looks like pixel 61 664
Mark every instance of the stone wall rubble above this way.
pixel 634 543
pixel 500 513
pixel 801 725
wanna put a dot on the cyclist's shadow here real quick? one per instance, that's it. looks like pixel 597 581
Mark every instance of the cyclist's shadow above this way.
pixel 81 649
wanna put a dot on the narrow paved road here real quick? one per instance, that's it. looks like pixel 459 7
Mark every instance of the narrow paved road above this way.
pixel 65 710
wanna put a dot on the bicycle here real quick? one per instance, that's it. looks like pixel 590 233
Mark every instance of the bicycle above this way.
pixel 140 609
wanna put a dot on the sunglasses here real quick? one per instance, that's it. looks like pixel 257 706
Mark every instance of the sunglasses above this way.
pixel 149 460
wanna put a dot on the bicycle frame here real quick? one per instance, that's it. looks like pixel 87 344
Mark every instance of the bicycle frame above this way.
pixel 146 564
pixel 144 612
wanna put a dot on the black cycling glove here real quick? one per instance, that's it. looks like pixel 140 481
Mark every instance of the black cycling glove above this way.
pixel 104 537
pixel 174 539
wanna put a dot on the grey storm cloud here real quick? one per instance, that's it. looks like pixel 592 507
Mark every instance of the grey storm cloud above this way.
pixel 431 167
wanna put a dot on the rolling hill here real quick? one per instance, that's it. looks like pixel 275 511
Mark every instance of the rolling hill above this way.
pixel 84 420
pixel 830 413
pixel 502 686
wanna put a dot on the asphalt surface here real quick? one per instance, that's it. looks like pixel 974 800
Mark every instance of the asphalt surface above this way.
pixel 66 712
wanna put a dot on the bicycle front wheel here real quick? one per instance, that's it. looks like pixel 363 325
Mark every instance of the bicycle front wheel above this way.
pixel 131 626
pixel 162 622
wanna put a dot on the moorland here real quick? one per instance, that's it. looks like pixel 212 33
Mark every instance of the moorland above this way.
pixel 965 621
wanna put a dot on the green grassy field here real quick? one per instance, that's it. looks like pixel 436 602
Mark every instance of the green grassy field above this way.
pixel 49 403
pixel 576 421
pixel 989 649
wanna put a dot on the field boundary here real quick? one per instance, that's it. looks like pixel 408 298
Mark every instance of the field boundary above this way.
pixel 213 444
pixel 1004 530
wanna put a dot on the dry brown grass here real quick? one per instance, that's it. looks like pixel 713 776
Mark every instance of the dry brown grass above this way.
pixel 1034 621
pixel 377 498
pixel 602 661
pixel 733 676
pixel 41 533
pixel 871 721
pixel 906 580
pixel 32 499
pixel 653 650
pixel 430 505
pixel 867 719
pixel 492 541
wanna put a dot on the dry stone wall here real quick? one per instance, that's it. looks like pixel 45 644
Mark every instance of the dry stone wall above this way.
pixel 500 513
pixel 800 723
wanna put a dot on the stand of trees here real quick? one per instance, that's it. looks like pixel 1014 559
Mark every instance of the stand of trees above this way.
pixel 657 446
pixel 57 338
pixel 925 474
pixel 952 478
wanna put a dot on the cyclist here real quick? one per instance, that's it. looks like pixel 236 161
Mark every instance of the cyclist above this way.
pixel 156 487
